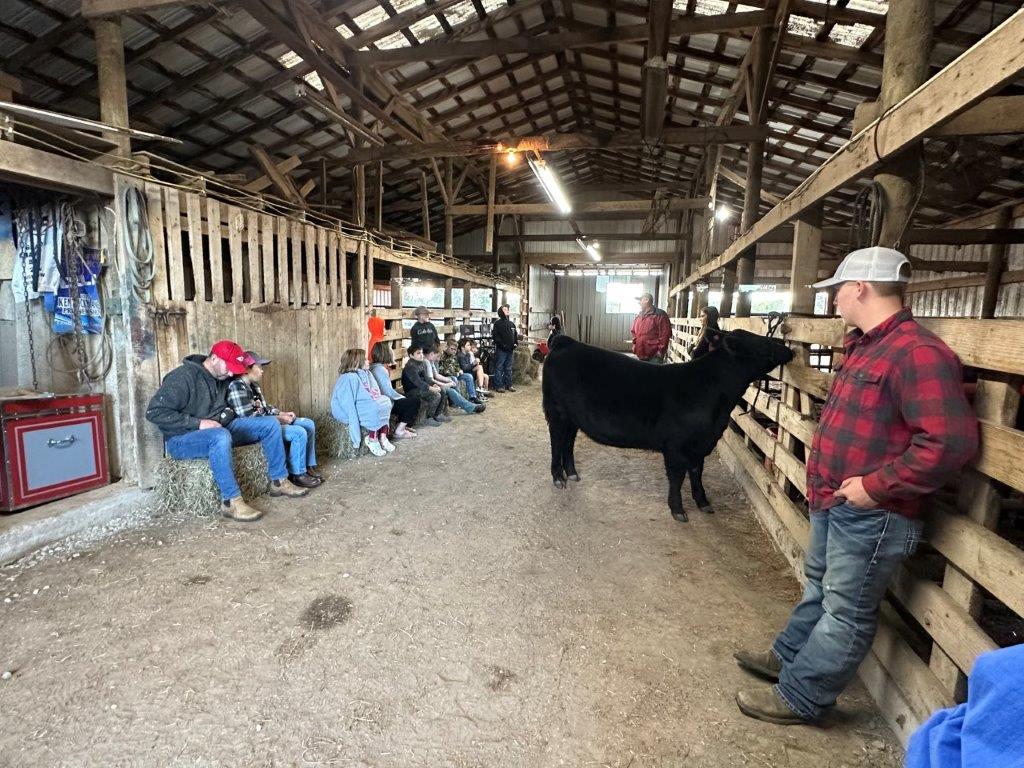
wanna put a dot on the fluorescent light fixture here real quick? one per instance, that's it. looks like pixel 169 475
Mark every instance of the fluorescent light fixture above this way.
pixel 723 213
pixel 550 183
pixel 591 249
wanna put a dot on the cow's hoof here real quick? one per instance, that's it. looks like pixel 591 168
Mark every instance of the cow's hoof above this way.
pixel 682 517
pixel 559 482
pixel 708 509
pixel 574 477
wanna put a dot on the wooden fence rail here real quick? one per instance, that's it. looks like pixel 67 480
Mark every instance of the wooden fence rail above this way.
pixel 932 626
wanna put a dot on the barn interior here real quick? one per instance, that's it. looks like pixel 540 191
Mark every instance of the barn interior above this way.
pixel 281 173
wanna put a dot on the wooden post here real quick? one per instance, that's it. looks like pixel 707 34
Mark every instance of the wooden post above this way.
pixel 396 286
pixel 755 165
pixel 359 288
pixel 804 268
pixel 369 276
pixel 467 298
pixel 323 182
pixel 378 209
pixel 449 220
pixel 491 183
pixel 728 289
pixel 996 267
pixel 905 66
pixel 113 90
pixel 359 171
pixel 448 285
pixel 426 207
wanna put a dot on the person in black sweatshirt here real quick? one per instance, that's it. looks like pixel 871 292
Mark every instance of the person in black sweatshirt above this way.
pixel 423 332
pixel 191 411
pixel 505 338
pixel 415 380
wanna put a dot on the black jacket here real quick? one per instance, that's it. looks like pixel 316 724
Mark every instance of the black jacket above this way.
pixel 414 377
pixel 466 362
pixel 188 394
pixel 504 333
pixel 424 334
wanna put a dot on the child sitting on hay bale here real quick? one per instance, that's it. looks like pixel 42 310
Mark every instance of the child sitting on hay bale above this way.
pixel 449 366
pixel 191 411
pixel 416 380
pixel 405 408
pixel 245 396
pixel 469 359
pixel 450 386
pixel 357 402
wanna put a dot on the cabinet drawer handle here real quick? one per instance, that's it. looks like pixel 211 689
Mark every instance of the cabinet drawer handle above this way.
pixel 67 442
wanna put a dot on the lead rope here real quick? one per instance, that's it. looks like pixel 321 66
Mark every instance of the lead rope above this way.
pixel 775 321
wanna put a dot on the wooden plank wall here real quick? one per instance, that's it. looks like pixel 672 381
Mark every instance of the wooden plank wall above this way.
pixel 274 285
pixel 967 554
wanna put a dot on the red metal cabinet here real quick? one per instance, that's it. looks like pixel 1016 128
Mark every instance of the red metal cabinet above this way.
pixel 51 447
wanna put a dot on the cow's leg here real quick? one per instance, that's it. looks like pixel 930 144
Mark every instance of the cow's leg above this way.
pixel 675 467
pixel 696 473
pixel 569 453
pixel 556 432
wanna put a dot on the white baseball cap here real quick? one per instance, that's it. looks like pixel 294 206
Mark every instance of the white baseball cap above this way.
pixel 873 265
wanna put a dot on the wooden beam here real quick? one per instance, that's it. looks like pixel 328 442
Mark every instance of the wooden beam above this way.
pixel 285 166
pixel 556 43
pixel 617 259
pixel 738 180
pixel 996 60
pixel 994 115
pixel 995 267
pixel 113 88
pixel 92 9
pixel 556 142
pixel 39 168
pixel 571 238
pixel 602 206
pixel 282 183
pixel 489 208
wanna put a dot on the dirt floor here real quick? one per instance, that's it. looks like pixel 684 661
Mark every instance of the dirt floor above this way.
pixel 444 606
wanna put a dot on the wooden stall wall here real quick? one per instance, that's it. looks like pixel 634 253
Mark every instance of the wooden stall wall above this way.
pixel 274 285
pixel 586 314
pixel 963 593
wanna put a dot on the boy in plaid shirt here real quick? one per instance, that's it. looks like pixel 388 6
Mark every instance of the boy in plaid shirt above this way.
pixel 894 428
pixel 245 396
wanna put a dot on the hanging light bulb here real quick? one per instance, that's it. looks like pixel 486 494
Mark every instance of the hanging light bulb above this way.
pixel 511 158
pixel 722 214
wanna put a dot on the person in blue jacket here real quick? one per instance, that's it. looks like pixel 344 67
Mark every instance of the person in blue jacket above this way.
pixel 358 403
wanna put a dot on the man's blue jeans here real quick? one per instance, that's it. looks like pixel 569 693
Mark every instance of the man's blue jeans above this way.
pixel 301 438
pixel 503 369
pixel 456 399
pixel 852 556
pixel 216 443
pixel 467 379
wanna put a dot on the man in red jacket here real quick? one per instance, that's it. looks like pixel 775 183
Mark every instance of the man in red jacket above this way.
pixel 651 331
pixel 894 428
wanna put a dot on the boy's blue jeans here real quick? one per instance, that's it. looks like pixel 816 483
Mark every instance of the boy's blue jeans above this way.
pixel 503 369
pixel 851 558
pixel 467 379
pixel 215 444
pixel 300 436
pixel 455 398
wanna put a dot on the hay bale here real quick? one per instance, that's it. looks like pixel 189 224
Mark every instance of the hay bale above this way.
pixel 187 484
pixel 524 368
pixel 332 440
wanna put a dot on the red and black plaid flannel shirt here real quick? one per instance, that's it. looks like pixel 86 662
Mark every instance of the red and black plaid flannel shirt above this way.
pixel 895 414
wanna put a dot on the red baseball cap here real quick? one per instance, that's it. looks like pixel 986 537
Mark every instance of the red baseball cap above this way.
pixel 232 354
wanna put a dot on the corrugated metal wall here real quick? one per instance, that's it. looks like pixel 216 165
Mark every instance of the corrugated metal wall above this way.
pixel 542 300
pixel 578 298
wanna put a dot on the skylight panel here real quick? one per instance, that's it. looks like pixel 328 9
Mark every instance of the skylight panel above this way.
pixel 290 58
pixel 853 35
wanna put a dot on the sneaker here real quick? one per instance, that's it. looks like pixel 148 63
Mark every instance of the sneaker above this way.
pixel 511 389
pixel 375 447
pixel 304 481
pixel 480 408
pixel 237 509
pixel 476 401
pixel 442 417
pixel 497 391
pixel 286 488
pixel 386 444
pixel 431 423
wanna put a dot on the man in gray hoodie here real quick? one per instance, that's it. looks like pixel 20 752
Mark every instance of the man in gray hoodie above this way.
pixel 191 410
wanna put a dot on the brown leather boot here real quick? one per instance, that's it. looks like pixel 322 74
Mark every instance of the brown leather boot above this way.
pixel 237 509
pixel 286 488
pixel 766 704
pixel 764 663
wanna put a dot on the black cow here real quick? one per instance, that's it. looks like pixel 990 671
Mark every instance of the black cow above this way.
pixel 681 409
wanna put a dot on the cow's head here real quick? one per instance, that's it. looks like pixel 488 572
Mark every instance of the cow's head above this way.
pixel 759 353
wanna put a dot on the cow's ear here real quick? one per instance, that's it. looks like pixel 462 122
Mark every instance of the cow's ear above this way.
pixel 715 339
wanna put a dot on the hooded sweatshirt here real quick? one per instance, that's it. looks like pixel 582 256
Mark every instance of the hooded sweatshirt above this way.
pixel 504 332
pixel 424 334
pixel 187 395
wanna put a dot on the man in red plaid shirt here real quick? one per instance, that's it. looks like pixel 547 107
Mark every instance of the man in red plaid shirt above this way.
pixel 894 428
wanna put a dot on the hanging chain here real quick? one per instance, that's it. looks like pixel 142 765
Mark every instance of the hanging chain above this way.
pixel 73 262
pixel 28 317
